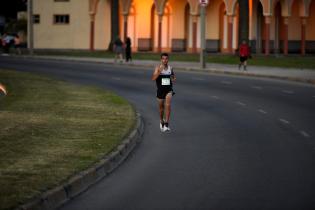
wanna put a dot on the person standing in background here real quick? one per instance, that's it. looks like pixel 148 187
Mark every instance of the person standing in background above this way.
pixel 244 53
pixel 17 44
pixel 128 49
pixel 118 49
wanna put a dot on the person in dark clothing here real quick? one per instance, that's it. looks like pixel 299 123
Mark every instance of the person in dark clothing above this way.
pixel 244 53
pixel 128 49
pixel 118 49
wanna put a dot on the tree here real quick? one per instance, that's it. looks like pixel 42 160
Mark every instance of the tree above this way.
pixel 243 32
pixel 9 8
pixel 114 22
pixel 15 26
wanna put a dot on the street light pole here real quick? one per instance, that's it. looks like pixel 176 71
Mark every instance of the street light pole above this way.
pixel 202 35
pixel 30 26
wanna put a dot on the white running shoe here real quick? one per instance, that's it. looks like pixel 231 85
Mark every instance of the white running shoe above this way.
pixel 166 128
pixel 162 126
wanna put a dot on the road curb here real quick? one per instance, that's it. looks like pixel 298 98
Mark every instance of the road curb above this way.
pixel 80 182
pixel 249 74
pixel 208 70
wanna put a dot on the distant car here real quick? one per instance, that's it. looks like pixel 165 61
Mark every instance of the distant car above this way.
pixel 9 39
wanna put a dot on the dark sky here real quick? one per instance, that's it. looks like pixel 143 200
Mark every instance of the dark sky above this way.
pixel 9 8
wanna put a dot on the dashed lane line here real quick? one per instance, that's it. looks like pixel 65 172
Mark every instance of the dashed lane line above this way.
pixel 215 97
pixel 284 121
pixel 257 87
pixel 226 82
pixel 116 78
pixel 241 103
pixel 288 91
pixel 262 111
pixel 198 79
pixel 306 135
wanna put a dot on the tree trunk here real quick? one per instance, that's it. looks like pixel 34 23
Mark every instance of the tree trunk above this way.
pixel 243 33
pixel 114 22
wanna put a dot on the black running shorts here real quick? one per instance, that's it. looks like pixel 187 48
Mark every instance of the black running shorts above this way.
pixel 243 58
pixel 161 94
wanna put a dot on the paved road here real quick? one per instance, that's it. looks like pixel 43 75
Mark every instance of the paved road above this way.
pixel 236 142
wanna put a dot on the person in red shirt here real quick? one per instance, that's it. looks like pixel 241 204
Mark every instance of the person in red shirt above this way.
pixel 244 53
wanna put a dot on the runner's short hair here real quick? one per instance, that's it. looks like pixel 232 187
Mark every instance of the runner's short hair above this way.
pixel 164 54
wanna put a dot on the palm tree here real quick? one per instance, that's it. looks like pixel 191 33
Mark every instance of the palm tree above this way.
pixel 243 31
pixel 114 22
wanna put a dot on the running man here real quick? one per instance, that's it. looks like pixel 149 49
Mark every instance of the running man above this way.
pixel 164 77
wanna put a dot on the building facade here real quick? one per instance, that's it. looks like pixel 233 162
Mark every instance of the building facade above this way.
pixel 272 26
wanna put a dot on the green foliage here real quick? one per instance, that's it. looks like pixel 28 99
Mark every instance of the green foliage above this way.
pixel 291 61
pixel 15 26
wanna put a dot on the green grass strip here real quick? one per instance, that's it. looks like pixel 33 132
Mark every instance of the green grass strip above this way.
pixel 290 61
pixel 49 130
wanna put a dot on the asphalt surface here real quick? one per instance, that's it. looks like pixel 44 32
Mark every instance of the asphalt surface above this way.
pixel 236 142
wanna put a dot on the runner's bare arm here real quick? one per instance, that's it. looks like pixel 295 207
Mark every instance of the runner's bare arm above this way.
pixel 156 72
pixel 173 78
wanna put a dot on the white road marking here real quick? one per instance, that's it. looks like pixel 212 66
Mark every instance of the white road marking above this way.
pixel 306 135
pixel 226 82
pixel 262 111
pixel 257 87
pixel 198 79
pixel 288 91
pixel 240 103
pixel 284 121
pixel 116 78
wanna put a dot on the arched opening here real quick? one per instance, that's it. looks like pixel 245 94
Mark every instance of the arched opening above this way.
pixel 310 30
pixel 131 31
pixel 166 32
pixel 223 28
pixel 295 29
pixel 186 26
pixel 165 29
pixel 235 39
pixel 152 26
pixel 278 31
pixel 260 32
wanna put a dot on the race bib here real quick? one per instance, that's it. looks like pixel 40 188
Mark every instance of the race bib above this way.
pixel 166 81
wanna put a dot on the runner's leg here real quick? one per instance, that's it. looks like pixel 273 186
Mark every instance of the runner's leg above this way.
pixel 168 99
pixel 161 109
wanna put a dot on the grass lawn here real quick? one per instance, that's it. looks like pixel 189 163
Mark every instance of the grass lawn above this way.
pixel 292 61
pixel 50 130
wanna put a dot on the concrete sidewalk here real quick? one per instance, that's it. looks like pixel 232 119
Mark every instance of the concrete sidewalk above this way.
pixel 292 74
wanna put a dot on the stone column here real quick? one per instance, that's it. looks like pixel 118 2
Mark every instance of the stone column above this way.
pixel 285 40
pixel 125 26
pixel 30 28
pixel 160 33
pixel 194 33
pixel 230 33
pixel 267 31
pixel 303 28
pixel 92 26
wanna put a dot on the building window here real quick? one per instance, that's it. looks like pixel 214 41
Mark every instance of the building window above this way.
pixel 61 19
pixel 36 19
